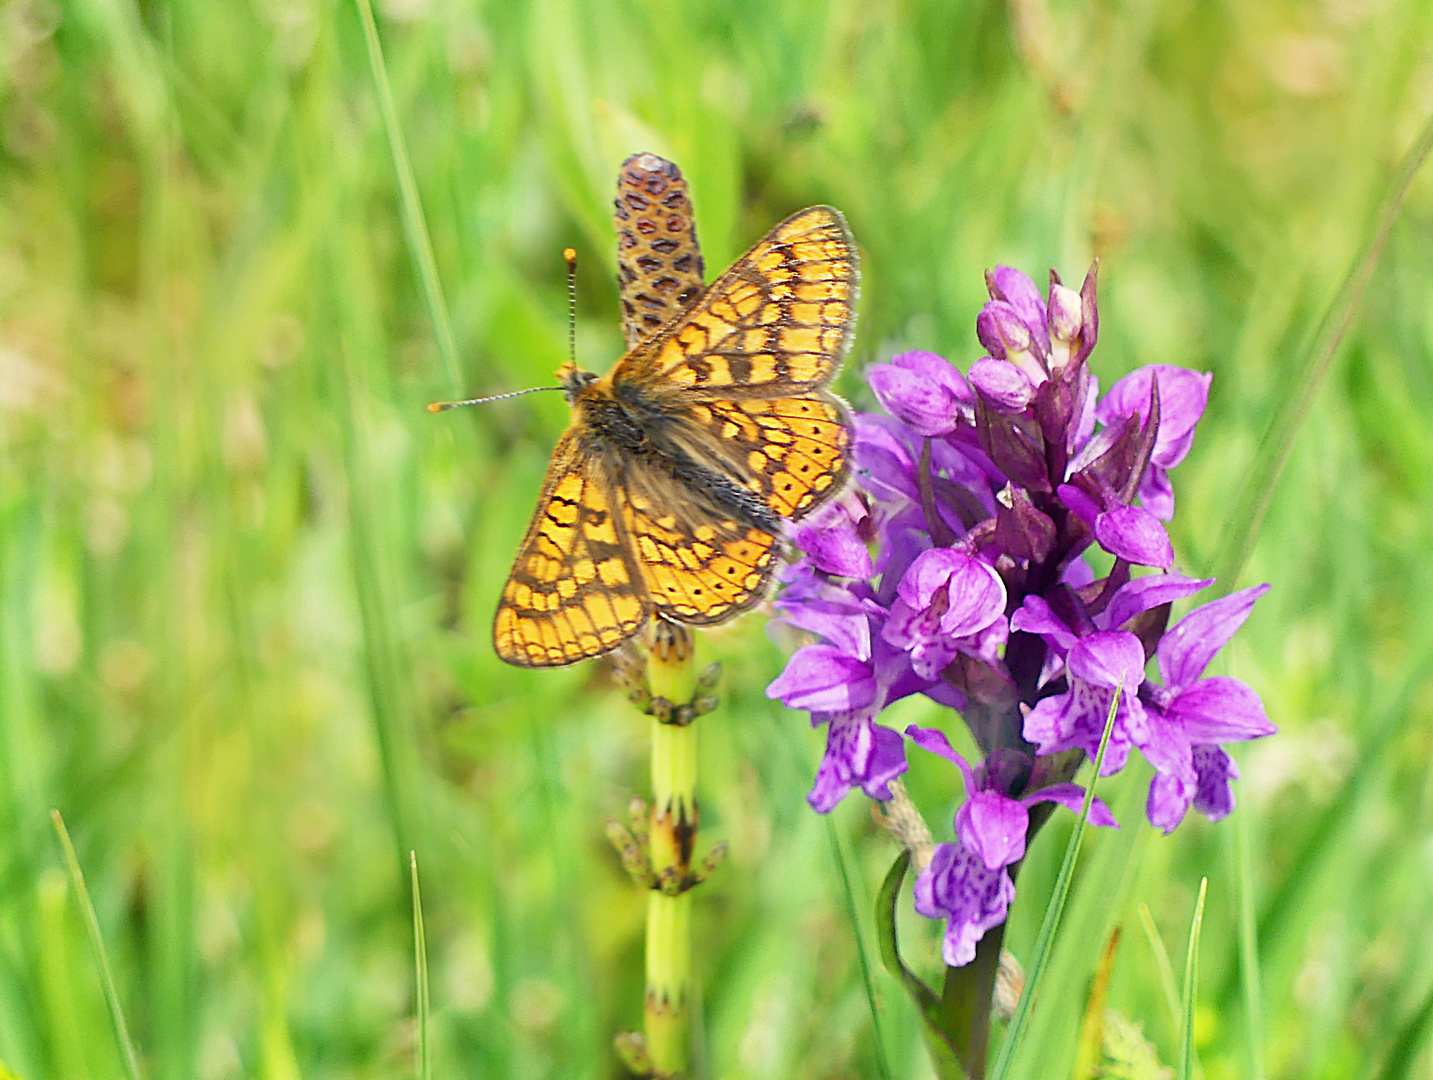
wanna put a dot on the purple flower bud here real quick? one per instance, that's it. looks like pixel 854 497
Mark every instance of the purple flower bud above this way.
pixel 1003 385
pixel 1066 317
pixel 1014 288
pixel 1001 330
pixel 1133 533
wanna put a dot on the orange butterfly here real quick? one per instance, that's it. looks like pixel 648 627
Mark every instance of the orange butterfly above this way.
pixel 666 494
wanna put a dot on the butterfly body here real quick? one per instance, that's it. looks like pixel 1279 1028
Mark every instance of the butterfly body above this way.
pixel 666 495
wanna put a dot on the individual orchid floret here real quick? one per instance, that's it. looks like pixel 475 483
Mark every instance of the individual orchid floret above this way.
pixel 968 882
pixel 1127 532
pixel 923 391
pixel 948 602
pixel 1098 665
pixel 1183 395
pixel 845 681
pixel 1192 714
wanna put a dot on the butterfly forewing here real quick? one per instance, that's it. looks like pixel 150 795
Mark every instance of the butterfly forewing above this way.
pixel 574 590
pixel 777 323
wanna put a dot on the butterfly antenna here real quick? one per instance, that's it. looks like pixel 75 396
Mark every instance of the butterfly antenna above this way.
pixel 571 256
pixel 444 406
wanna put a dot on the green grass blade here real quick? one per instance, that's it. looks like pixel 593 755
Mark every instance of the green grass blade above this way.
pixel 415 225
pixel 1045 941
pixel 866 980
pixel 1191 977
pixel 424 1061
pixel 1162 964
pixel 92 929
pixel 1273 454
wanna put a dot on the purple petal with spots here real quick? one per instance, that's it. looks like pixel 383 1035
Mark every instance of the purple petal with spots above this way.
pixel 859 753
pixel 1214 795
pixel 957 887
pixel 1076 718
pixel 821 678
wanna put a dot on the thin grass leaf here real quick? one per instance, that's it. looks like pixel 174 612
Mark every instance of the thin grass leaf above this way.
pixel 1191 977
pixel 866 980
pixel 415 225
pixel 1045 941
pixel 92 929
pixel 1252 505
pixel 1162 964
pixel 424 1061
pixel 1401 1055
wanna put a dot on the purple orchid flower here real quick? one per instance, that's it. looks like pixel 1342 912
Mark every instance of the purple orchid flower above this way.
pixel 957 572
pixel 968 882
pixel 1191 714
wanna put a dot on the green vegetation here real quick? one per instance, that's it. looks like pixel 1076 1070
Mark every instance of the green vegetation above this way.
pixel 246 580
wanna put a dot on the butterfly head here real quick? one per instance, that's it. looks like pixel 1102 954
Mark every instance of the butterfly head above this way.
pixel 574 380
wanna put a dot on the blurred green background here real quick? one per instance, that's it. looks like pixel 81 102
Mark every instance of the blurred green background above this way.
pixel 246 582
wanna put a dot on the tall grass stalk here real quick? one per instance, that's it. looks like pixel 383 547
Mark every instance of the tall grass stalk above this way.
pixel 415 225
pixel 97 949
pixel 1191 979
pixel 423 1058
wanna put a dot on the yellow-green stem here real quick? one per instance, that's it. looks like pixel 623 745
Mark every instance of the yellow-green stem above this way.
pixel 672 674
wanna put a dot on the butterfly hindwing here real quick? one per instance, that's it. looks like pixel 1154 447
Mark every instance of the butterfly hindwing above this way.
pixel 574 590
pixel 792 451
pixel 776 324
pixel 700 564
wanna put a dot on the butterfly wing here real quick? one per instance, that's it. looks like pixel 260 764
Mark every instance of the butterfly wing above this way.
pixel 574 590
pixel 699 563
pixel 792 451
pixel 775 325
